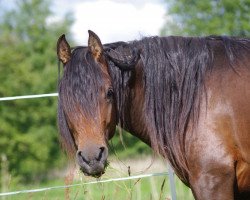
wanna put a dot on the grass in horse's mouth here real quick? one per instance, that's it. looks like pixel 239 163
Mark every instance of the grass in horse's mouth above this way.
pixel 95 175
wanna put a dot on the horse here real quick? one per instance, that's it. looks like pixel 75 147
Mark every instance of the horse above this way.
pixel 188 98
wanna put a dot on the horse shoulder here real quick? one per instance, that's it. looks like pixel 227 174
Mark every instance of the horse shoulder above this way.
pixel 220 141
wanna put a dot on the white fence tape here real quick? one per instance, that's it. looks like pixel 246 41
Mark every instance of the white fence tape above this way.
pixel 80 184
pixel 28 97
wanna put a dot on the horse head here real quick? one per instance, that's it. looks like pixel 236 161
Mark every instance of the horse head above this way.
pixel 86 109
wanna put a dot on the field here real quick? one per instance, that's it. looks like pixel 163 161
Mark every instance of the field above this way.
pixel 137 189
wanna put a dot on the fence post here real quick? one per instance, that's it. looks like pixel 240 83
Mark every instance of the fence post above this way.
pixel 172 183
pixel 4 174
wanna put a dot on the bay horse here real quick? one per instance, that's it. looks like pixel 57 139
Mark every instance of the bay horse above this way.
pixel 186 97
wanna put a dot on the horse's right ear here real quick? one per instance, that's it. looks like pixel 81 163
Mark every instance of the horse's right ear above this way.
pixel 63 49
pixel 95 45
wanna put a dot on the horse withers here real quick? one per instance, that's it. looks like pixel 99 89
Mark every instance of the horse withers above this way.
pixel 186 97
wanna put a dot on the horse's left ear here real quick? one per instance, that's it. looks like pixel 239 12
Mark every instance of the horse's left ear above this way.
pixel 95 45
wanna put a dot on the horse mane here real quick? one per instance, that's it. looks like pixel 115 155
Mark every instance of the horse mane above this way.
pixel 174 70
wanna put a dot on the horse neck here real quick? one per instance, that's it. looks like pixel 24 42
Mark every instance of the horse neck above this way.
pixel 133 118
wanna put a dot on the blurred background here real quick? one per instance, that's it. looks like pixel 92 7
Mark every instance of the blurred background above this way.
pixel 30 153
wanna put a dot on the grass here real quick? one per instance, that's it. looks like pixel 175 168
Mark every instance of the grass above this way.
pixel 150 188
pixel 137 189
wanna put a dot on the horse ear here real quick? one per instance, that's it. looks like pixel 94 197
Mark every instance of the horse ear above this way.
pixel 63 49
pixel 95 45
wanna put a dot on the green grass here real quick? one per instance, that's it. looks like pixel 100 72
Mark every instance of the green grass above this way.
pixel 137 189
pixel 154 188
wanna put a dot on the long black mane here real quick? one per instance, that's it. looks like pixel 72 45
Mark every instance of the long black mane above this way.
pixel 174 70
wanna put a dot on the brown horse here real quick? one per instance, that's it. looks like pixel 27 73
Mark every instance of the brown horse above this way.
pixel 186 97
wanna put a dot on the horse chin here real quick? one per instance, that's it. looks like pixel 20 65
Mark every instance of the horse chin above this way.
pixel 95 175
pixel 94 171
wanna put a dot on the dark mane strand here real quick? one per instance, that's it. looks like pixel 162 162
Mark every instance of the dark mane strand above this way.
pixel 126 64
pixel 66 139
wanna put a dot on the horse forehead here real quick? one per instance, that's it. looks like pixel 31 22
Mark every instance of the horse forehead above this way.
pixel 88 68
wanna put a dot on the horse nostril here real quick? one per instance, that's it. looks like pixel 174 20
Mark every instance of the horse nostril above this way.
pixel 81 157
pixel 102 149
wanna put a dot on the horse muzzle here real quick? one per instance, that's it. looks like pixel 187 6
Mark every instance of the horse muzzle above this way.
pixel 92 160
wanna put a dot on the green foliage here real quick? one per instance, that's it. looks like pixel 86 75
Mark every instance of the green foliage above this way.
pixel 125 145
pixel 28 65
pixel 217 17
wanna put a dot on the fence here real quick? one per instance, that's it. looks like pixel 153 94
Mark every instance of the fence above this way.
pixel 170 172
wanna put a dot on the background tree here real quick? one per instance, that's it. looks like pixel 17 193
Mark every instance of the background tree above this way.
pixel 28 65
pixel 206 17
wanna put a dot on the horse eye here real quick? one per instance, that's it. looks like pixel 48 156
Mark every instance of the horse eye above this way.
pixel 110 93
